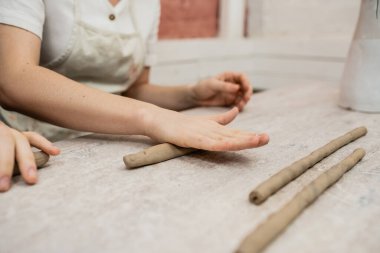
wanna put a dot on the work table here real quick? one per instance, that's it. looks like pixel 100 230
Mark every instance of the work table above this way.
pixel 86 201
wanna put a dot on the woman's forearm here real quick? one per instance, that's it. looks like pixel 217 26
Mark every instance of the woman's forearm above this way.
pixel 225 89
pixel 171 97
pixel 46 95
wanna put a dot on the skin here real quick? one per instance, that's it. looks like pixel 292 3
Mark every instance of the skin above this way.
pixel 114 2
pixel 144 109
pixel 16 146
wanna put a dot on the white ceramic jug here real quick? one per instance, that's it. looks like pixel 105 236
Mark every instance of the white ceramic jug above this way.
pixel 360 84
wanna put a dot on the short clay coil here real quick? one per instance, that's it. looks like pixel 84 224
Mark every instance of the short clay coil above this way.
pixel 40 157
pixel 155 154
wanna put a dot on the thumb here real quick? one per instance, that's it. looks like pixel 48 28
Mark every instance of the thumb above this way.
pixel 225 118
pixel 218 85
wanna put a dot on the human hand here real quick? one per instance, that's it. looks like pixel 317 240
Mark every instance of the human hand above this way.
pixel 207 133
pixel 225 89
pixel 15 146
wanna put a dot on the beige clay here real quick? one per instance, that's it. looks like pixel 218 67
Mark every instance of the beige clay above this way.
pixel 286 175
pixel 41 159
pixel 155 154
pixel 277 222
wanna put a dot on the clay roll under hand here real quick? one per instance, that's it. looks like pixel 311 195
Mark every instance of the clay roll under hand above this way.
pixel 40 157
pixel 155 154
pixel 257 240
pixel 289 173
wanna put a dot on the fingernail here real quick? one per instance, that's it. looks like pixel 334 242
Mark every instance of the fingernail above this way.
pixel 5 183
pixel 32 173
pixel 264 137
pixel 57 148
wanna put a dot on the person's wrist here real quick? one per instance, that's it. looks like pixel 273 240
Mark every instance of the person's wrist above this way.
pixel 145 119
pixel 191 97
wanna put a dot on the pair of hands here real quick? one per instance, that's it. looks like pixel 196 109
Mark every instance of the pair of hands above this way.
pixel 207 133
pixel 15 146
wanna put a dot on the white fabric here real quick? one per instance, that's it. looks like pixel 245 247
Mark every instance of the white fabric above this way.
pixel 108 60
pixel 53 21
pixel 28 15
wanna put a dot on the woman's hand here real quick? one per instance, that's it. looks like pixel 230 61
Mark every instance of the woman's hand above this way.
pixel 226 89
pixel 15 146
pixel 207 133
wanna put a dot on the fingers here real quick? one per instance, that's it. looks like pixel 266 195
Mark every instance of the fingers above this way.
pixel 42 143
pixel 242 141
pixel 222 86
pixel 220 138
pixel 226 117
pixel 245 88
pixel 239 102
pixel 14 146
pixel 237 142
pixel 7 149
pixel 264 139
pixel 246 91
pixel 24 157
pixel 230 94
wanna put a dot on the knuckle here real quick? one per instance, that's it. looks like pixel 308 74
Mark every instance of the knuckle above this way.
pixel 30 133
pixel 4 131
pixel 21 137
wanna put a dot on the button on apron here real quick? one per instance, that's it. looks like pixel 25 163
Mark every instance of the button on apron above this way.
pixel 112 17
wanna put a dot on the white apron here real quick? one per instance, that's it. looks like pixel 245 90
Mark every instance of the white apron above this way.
pixel 101 59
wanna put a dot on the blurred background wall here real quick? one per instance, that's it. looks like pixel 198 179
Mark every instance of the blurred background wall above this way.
pixel 276 42
pixel 302 18
pixel 189 19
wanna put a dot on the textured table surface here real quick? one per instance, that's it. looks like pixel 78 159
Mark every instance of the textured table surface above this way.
pixel 86 201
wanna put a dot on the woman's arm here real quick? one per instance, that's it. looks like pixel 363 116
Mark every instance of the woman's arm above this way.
pixel 171 97
pixel 36 91
pixel 41 93
pixel 226 89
